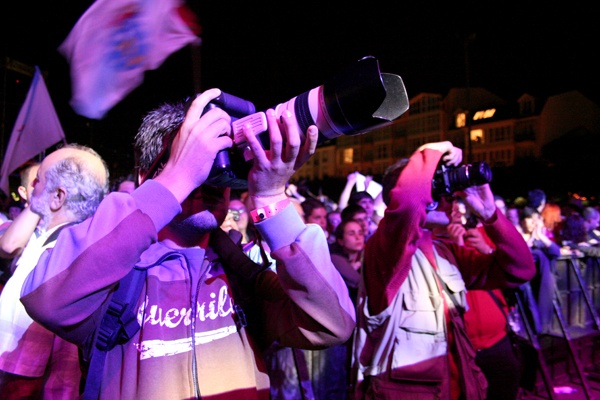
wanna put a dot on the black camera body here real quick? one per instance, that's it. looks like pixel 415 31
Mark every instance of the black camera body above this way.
pixel 356 101
pixel 447 180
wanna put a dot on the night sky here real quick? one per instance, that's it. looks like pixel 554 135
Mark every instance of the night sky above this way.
pixel 271 52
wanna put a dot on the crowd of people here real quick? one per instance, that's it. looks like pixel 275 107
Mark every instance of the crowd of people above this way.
pixel 269 292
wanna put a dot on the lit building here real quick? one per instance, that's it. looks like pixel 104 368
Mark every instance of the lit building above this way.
pixel 485 126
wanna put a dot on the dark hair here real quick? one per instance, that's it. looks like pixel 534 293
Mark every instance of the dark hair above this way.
pixel 590 213
pixel 120 179
pixel 535 198
pixel 574 229
pixel 358 196
pixel 526 212
pixel 339 231
pixel 311 204
pixel 158 124
pixel 350 212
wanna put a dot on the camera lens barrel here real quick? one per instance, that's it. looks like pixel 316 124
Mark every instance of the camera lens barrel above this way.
pixel 355 101
pixel 448 180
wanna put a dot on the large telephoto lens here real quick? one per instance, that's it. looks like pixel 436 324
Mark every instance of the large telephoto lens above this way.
pixel 355 101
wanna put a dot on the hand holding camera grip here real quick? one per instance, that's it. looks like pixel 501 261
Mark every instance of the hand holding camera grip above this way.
pixel 257 122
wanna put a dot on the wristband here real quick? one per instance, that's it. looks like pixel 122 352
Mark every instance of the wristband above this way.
pixel 260 214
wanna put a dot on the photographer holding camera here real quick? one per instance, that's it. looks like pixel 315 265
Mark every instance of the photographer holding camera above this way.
pixel 410 341
pixel 195 340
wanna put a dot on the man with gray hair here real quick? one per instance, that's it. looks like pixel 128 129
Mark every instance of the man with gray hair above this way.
pixel 34 362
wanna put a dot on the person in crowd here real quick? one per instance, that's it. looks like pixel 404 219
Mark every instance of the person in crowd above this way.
pixel 194 340
pixel 575 235
pixel 500 203
pixel 536 199
pixel 12 245
pixel 486 320
pixel 34 362
pixel 334 218
pixel 238 219
pixel 410 341
pixel 366 201
pixel 125 183
pixel 552 218
pixel 348 189
pixel 331 367
pixel 347 256
pixel 591 215
pixel 358 214
pixel 315 212
pixel 27 175
pixel 542 286
pixel 512 214
pixel 14 209
pixel 362 197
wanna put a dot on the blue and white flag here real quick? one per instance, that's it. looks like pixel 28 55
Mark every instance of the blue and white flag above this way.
pixel 114 43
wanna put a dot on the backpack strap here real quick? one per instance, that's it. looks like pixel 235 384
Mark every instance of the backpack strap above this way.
pixel 119 323
pixel 118 326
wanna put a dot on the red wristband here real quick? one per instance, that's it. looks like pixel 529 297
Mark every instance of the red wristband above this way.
pixel 260 214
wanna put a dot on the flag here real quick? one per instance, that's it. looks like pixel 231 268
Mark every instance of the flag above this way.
pixel 37 128
pixel 114 43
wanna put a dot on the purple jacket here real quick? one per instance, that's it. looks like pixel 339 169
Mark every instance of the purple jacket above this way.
pixel 305 304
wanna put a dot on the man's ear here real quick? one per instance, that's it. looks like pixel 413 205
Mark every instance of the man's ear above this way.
pixel 23 193
pixel 58 199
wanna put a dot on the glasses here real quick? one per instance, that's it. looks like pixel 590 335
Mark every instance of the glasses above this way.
pixel 236 213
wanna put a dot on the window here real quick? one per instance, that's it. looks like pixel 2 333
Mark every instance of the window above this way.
pixel 477 136
pixel 348 156
pixel 484 114
pixel 461 120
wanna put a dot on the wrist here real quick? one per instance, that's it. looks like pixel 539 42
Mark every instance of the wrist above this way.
pixel 268 210
pixel 262 201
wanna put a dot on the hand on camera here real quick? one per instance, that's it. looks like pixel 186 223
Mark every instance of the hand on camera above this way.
pixel 451 155
pixel 195 146
pixel 456 232
pixel 480 200
pixel 474 238
pixel 273 168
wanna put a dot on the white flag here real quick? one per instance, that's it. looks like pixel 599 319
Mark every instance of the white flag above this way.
pixel 36 129
pixel 114 43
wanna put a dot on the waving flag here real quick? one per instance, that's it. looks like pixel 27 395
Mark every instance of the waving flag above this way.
pixel 37 128
pixel 114 43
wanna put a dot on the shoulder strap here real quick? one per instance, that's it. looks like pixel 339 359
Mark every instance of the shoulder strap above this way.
pixel 473 381
pixel 118 326
pixel 501 307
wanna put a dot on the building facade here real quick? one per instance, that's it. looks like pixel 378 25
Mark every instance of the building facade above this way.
pixel 485 126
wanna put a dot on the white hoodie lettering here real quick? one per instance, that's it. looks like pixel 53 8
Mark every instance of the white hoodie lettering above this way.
pixel 220 307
